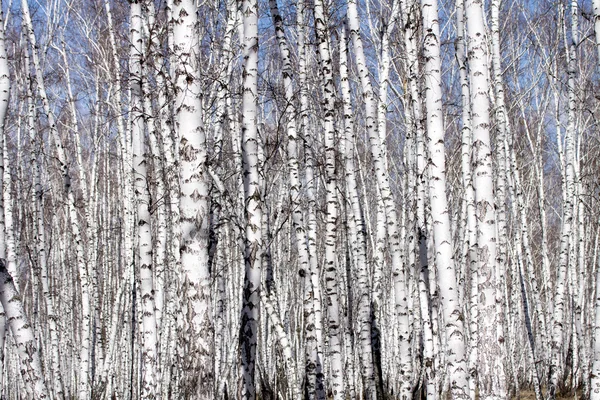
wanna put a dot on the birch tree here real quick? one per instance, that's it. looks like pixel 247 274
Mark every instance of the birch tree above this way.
pixel 386 200
pixel 595 371
pixel 333 306
pixel 566 240
pixel 149 336
pixel 85 348
pixel 455 337
pixel 378 176
pixel 253 246
pixel 10 298
pixel 490 369
pixel 197 337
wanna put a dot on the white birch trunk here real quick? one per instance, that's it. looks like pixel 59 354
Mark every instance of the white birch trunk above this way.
pixel 85 349
pixel 469 247
pixel 124 142
pixel 378 270
pixel 284 342
pixel 596 8
pixel 164 80
pixel 11 256
pixel 293 167
pixel 253 203
pixel 4 382
pixel 516 190
pixel 490 369
pixel 501 119
pixel 142 194
pixel 222 125
pixel 357 220
pixel 326 69
pixel 162 208
pixel 312 292
pixel 10 298
pixel 197 338
pixel 444 259
pixel 566 241
pixel 41 240
pixel 595 371
pixel 392 226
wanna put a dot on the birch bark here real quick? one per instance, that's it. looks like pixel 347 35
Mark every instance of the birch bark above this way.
pixel 312 290
pixel 469 249
pixel 168 133
pixel 444 259
pixel 357 220
pixel 596 7
pixel 326 69
pixel 41 235
pixel 253 202
pixel 382 122
pixel 85 349
pixel 566 240
pixel 490 370
pixel 293 168
pixel 12 302
pixel 392 227
pixel 197 340
pixel 152 59
pixel 595 371
pixel 142 194
pixel 124 142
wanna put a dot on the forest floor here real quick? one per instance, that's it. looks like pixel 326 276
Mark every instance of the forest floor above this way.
pixel 530 395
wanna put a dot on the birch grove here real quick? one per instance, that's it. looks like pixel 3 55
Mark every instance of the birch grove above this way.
pixel 291 199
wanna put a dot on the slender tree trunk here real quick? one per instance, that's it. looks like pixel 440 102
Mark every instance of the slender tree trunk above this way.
pixel 124 143
pixel 444 259
pixel 502 129
pixel 359 239
pixel 284 342
pixel 469 247
pixel 313 326
pixel 326 68
pixel 10 298
pixel 85 349
pixel 42 259
pixel 377 322
pixel 516 190
pixel 595 371
pixel 566 247
pixel 142 194
pixel 387 200
pixel 253 203
pixel 197 338
pixel 491 369
pixel 292 154
pixel 153 59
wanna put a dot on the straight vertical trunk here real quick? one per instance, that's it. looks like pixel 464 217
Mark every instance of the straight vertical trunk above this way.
pixel 142 194
pixel 386 199
pixel 326 69
pixel 293 166
pixel 312 290
pixel 566 255
pixel 595 371
pixel 10 298
pixel 197 337
pixel 358 236
pixel 490 369
pixel 253 203
pixel 444 259
pixel 86 289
